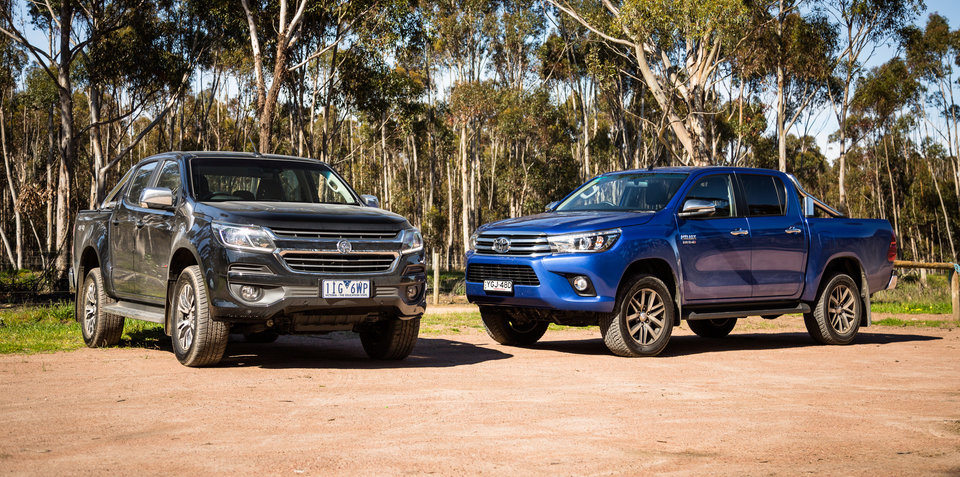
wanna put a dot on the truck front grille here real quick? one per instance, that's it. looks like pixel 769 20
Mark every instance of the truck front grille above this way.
pixel 520 274
pixel 354 263
pixel 519 244
pixel 336 234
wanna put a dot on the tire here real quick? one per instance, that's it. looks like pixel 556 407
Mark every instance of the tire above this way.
pixel 836 317
pixel 265 336
pixel 391 339
pixel 713 328
pixel 197 339
pixel 505 329
pixel 642 321
pixel 99 329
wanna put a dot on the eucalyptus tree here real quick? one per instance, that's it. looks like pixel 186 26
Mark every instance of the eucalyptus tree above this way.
pixel 71 27
pixel 678 49
pixel 931 54
pixel 799 63
pixel 863 24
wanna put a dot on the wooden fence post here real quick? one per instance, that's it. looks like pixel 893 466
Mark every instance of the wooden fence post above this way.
pixel 955 293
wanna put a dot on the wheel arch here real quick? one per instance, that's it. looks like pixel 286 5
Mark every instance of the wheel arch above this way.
pixel 851 266
pixel 661 269
pixel 89 259
pixel 181 258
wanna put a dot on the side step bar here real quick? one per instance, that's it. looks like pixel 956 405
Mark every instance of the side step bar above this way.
pixel 717 315
pixel 138 311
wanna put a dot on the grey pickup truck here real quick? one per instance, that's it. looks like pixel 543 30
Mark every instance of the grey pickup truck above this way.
pixel 209 243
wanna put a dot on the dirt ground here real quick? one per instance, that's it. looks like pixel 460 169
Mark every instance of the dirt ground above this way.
pixel 762 401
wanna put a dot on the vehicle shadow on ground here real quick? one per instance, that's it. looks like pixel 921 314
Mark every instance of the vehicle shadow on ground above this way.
pixel 691 345
pixel 347 352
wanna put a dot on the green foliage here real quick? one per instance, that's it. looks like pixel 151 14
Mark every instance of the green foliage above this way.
pixel 671 22
pixel 53 328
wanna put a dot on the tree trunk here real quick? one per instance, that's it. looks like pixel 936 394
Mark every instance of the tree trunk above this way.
pixel 67 140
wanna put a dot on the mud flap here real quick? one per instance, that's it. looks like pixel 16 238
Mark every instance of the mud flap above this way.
pixel 865 295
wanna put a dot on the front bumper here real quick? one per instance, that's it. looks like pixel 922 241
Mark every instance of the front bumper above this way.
pixel 295 297
pixel 554 291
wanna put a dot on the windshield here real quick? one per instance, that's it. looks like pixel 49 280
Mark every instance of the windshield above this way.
pixel 221 179
pixel 641 191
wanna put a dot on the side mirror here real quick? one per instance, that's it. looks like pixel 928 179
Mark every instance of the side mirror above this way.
pixel 809 207
pixel 370 200
pixel 156 198
pixel 697 208
pixel 551 206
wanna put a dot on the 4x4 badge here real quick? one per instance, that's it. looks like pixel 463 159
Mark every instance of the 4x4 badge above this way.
pixel 344 246
pixel 501 244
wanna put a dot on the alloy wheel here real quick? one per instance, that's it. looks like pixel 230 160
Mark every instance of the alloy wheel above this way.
pixel 841 309
pixel 186 316
pixel 645 316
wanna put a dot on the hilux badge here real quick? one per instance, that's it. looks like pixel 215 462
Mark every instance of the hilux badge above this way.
pixel 501 245
pixel 344 246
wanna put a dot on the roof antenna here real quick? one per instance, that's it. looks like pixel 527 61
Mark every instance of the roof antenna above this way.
pixel 256 152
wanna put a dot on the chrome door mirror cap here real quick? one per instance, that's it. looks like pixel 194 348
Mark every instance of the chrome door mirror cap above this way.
pixel 697 208
pixel 156 198
pixel 370 200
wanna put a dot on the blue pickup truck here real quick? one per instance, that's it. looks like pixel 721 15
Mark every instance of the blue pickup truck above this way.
pixel 637 251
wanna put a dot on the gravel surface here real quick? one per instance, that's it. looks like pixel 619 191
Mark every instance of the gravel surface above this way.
pixel 762 401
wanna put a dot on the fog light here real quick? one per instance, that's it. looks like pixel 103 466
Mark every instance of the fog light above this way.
pixel 250 293
pixel 412 291
pixel 580 283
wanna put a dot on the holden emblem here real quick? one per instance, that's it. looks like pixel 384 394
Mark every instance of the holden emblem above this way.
pixel 344 246
pixel 501 245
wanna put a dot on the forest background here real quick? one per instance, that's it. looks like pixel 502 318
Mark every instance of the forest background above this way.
pixel 457 113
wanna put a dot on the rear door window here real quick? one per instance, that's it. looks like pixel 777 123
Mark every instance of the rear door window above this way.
pixel 765 195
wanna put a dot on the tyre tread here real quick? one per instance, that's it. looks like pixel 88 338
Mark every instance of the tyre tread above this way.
pixel 210 337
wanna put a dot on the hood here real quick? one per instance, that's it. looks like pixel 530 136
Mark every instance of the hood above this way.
pixel 568 222
pixel 305 215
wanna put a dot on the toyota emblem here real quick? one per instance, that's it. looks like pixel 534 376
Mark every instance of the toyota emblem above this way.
pixel 501 245
pixel 344 246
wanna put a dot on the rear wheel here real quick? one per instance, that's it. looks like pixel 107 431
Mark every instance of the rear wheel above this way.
pixel 712 328
pixel 836 318
pixel 198 340
pixel 642 322
pixel 391 339
pixel 507 329
pixel 99 328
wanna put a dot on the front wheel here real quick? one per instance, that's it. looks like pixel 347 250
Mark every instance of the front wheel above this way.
pixel 836 318
pixel 712 328
pixel 391 339
pixel 98 327
pixel 508 330
pixel 198 340
pixel 642 322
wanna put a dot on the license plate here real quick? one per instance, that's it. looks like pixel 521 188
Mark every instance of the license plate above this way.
pixel 498 286
pixel 346 289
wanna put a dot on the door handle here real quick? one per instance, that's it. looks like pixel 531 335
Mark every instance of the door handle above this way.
pixel 739 232
pixel 793 230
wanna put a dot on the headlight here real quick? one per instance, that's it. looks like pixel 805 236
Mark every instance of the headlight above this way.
pixel 587 242
pixel 412 241
pixel 472 245
pixel 244 237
